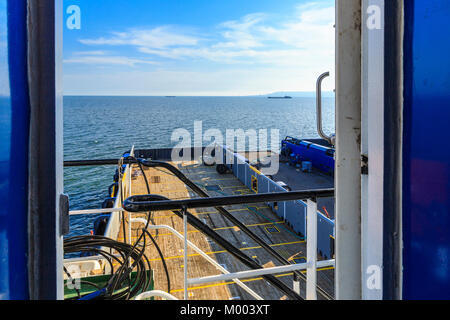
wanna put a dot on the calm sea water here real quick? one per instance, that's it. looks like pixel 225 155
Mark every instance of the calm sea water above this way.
pixel 106 127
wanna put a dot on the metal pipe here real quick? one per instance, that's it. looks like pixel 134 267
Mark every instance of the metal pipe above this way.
pixel 155 293
pixel 260 272
pixel 99 162
pixel 185 254
pixel 144 203
pixel 94 211
pixel 311 251
pixel 319 107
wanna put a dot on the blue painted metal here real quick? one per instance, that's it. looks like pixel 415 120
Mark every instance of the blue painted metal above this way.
pixel 426 157
pixel 14 128
pixel 321 157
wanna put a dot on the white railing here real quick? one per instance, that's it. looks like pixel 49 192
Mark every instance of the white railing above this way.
pixel 201 253
pixel 155 293
pixel 310 266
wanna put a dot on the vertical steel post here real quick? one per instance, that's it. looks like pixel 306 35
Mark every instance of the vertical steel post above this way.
pixel 311 250
pixel 372 146
pixel 296 284
pixel 348 149
pixel 185 253
pixel 128 189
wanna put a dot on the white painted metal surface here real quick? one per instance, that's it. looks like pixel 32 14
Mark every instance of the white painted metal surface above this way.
pixel 94 211
pixel 348 150
pixel 127 188
pixel 311 250
pixel 373 147
pixel 260 272
pixel 185 255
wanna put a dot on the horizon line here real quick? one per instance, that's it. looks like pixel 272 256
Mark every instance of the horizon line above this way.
pixel 199 95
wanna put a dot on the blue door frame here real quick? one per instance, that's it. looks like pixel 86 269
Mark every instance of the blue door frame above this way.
pixel 14 128
pixel 426 151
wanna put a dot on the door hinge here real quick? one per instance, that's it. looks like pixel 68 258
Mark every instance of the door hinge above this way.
pixel 364 164
pixel 64 214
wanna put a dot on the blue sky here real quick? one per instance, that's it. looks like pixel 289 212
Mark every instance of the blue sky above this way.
pixel 4 75
pixel 198 47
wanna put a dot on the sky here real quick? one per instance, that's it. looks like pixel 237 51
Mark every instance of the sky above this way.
pixel 4 73
pixel 198 47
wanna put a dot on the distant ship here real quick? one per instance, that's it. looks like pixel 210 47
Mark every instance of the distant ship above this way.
pixel 285 97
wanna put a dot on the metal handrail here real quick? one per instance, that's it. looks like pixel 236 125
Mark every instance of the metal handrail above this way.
pixel 319 108
pixel 144 203
pixel 259 272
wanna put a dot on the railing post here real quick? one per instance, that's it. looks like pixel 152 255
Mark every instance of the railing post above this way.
pixel 185 253
pixel 296 284
pixel 311 250
pixel 128 185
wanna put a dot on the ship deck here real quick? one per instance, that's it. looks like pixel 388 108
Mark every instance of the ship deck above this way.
pixel 258 217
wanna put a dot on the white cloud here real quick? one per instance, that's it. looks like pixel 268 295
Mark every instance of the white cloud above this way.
pixel 107 60
pixel 307 38
pixel 90 53
pixel 248 40
pixel 156 38
pixel 238 34
pixel 262 56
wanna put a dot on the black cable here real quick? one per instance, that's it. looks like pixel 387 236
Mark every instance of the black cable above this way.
pixel 120 284
pixel 162 259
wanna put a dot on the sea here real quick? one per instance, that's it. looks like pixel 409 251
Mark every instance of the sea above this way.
pixel 105 127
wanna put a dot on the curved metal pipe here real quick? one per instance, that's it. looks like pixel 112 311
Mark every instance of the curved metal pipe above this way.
pixel 155 293
pixel 319 107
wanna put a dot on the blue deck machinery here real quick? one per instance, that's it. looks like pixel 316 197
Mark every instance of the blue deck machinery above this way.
pixel 318 153
pixel 302 152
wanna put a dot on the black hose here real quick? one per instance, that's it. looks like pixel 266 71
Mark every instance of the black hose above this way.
pixel 120 285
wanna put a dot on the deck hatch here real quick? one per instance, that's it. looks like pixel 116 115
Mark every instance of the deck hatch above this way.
pixel 213 188
pixel 272 229
pixel 299 260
